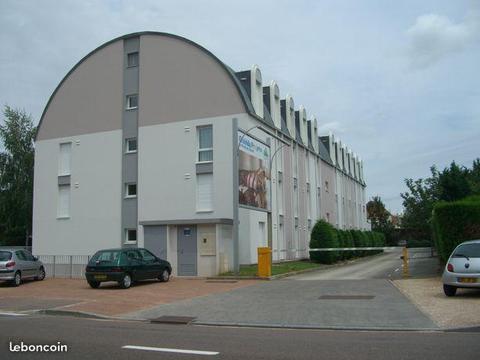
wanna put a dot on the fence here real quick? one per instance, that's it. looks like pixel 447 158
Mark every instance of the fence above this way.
pixel 65 266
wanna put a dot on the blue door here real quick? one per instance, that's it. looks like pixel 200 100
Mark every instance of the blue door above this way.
pixel 187 250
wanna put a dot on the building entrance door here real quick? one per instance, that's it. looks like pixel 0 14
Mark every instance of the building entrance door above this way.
pixel 187 250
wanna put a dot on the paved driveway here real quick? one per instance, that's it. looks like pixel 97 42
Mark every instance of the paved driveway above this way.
pixel 319 303
pixel 385 266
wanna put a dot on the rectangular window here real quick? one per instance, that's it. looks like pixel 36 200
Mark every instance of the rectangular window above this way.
pixel 130 190
pixel 132 59
pixel 205 143
pixel 132 102
pixel 131 235
pixel 131 145
pixel 63 205
pixel 64 159
pixel 204 192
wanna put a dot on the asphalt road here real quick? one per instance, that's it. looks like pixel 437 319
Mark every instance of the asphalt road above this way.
pixel 384 266
pixel 100 339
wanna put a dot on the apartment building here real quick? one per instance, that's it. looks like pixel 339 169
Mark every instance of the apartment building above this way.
pixel 152 141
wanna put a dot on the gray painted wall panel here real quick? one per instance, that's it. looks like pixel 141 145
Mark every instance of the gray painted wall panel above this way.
pixel 130 127
pixel 131 80
pixel 130 130
pixel 130 168
pixel 129 213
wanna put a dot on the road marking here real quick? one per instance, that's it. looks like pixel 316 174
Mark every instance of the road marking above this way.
pixel 12 314
pixel 178 351
pixel 397 269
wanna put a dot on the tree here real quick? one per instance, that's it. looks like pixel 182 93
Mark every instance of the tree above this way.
pixel 451 184
pixel 16 176
pixel 379 218
pixel 418 203
pixel 377 213
pixel 474 177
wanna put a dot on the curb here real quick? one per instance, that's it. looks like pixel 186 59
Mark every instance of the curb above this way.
pixel 84 315
pixel 317 327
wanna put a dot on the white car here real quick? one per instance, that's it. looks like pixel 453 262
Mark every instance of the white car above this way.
pixel 463 268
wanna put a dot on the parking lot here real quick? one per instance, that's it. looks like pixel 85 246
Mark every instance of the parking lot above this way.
pixel 109 300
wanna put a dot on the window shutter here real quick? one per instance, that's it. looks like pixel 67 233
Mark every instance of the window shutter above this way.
pixel 63 201
pixel 64 159
pixel 205 191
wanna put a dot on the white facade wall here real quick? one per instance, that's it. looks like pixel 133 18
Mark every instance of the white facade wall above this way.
pixel 95 201
pixel 167 158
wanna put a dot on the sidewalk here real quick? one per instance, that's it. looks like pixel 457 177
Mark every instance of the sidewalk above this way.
pixel 109 300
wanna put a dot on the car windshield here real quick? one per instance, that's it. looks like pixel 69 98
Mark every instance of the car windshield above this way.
pixel 106 256
pixel 5 255
pixel 468 250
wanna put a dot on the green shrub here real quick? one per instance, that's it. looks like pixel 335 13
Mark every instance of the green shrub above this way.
pixel 455 222
pixel 358 241
pixel 341 243
pixel 324 235
pixel 349 243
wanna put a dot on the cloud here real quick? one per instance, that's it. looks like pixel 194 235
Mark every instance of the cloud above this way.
pixel 434 37
pixel 333 126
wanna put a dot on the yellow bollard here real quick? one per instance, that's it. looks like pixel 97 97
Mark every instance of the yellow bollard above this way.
pixel 406 272
pixel 264 261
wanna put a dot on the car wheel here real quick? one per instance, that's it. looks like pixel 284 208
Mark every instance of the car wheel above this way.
pixel 17 280
pixel 165 276
pixel 126 281
pixel 449 290
pixel 94 284
pixel 41 274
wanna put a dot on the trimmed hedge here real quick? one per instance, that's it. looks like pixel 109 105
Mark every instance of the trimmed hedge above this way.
pixel 454 223
pixel 324 235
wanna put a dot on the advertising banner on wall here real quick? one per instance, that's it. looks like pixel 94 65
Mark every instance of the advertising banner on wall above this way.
pixel 254 172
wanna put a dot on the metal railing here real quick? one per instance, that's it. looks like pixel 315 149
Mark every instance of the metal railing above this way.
pixel 65 266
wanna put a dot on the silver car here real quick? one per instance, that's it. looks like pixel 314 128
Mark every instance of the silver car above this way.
pixel 17 265
pixel 463 268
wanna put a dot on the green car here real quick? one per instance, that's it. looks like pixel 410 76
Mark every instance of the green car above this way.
pixel 126 266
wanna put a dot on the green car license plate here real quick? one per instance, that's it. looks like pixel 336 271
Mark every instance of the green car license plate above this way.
pixel 100 277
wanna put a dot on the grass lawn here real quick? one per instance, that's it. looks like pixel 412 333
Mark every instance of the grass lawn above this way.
pixel 279 268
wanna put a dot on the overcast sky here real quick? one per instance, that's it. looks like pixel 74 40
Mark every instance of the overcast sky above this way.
pixel 397 81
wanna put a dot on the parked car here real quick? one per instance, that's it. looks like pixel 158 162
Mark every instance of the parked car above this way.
pixel 18 265
pixel 463 268
pixel 126 266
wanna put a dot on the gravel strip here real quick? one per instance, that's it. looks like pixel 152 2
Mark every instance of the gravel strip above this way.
pixel 458 311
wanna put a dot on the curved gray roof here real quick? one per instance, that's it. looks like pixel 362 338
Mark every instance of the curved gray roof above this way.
pixel 243 94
